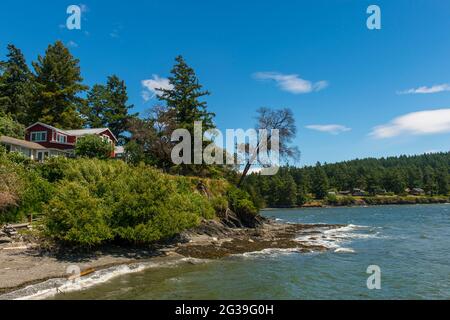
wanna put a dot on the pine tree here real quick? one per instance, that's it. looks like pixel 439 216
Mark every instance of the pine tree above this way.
pixel 442 181
pixel 288 192
pixel 429 181
pixel 15 86
pixel 107 107
pixel 58 85
pixel 184 97
pixel 319 182
pixel 394 181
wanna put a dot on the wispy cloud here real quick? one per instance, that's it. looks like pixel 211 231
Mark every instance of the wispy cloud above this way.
pixel 426 90
pixel 291 82
pixel 72 44
pixel 415 123
pixel 115 33
pixel 152 86
pixel 334 129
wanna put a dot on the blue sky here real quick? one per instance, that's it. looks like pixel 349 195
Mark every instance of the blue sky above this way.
pixel 355 92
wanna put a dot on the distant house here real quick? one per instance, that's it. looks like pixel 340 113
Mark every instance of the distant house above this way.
pixel 344 193
pixel 417 192
pixel 358 192
pixel 43 141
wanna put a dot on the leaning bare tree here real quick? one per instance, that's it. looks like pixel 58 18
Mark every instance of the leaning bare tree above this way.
pixel 269 119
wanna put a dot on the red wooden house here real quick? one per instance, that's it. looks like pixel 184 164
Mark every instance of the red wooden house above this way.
pixel 42 141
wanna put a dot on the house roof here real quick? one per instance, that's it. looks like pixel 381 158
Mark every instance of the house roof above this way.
pixel 83 132
pixel 78 132
pixel 21 143
pixel 48 126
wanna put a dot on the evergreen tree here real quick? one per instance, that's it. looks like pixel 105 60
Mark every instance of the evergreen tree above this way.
pixel 15 86
pixel 319 182
pixel 184 97
pixel 107 107
pixel 442 181
pixel 394 182
pixel 288 192
pixel 96 104
pixel 58 84
pixel 429 181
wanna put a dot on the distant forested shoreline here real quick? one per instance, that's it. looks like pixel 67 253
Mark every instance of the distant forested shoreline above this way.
pixel 392 180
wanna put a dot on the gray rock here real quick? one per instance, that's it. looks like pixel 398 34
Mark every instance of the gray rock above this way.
pixel 5 240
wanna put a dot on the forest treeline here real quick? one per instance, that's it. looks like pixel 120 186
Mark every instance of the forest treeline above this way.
pixel 294 186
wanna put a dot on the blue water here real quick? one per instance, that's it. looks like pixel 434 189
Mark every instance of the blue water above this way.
pixel 410 244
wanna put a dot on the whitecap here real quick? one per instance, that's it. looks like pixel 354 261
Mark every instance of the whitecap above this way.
pixel 53 287
pixel 344 250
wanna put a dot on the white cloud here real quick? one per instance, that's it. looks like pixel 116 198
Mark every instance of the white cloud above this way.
pixel 291 82
pixel 334 129
pixel 152 85
pixel 72 44
pixel 425 90
pixel 415 123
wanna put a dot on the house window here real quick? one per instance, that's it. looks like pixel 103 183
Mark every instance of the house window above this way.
pixel 62 138
pixel 40 136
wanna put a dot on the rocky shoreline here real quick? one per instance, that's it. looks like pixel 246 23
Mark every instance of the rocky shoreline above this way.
pixel 24 263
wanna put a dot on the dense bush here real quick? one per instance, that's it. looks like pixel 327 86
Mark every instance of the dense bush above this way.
pixel 132 204
pixel 22 190
pixel 75 216
pixel 240 202
pixel 93 146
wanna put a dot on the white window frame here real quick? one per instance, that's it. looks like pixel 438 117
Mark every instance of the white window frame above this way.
pixel 59 136
pixel 34 135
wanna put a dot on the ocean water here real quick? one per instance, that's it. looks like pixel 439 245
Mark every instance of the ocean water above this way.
pixel 410 244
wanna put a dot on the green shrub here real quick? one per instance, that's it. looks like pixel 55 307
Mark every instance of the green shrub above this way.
pixel 19 158
pixel 75 217
pixel 93 146
pixel 240 202
pixel 53 168
pixel 220 204
pixel 134 204
pixel 23 190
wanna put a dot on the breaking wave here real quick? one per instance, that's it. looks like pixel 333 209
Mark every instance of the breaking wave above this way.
pixel 53 287
pixel 333 238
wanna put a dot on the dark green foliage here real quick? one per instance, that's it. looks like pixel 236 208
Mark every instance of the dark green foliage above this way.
pixel 107 107
pixel 93 146
pixel 240 202
pixel 58 83
pixel 53 168
pixel 16 86
pixel 442 181
pixel 319 183
pixel 185 96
